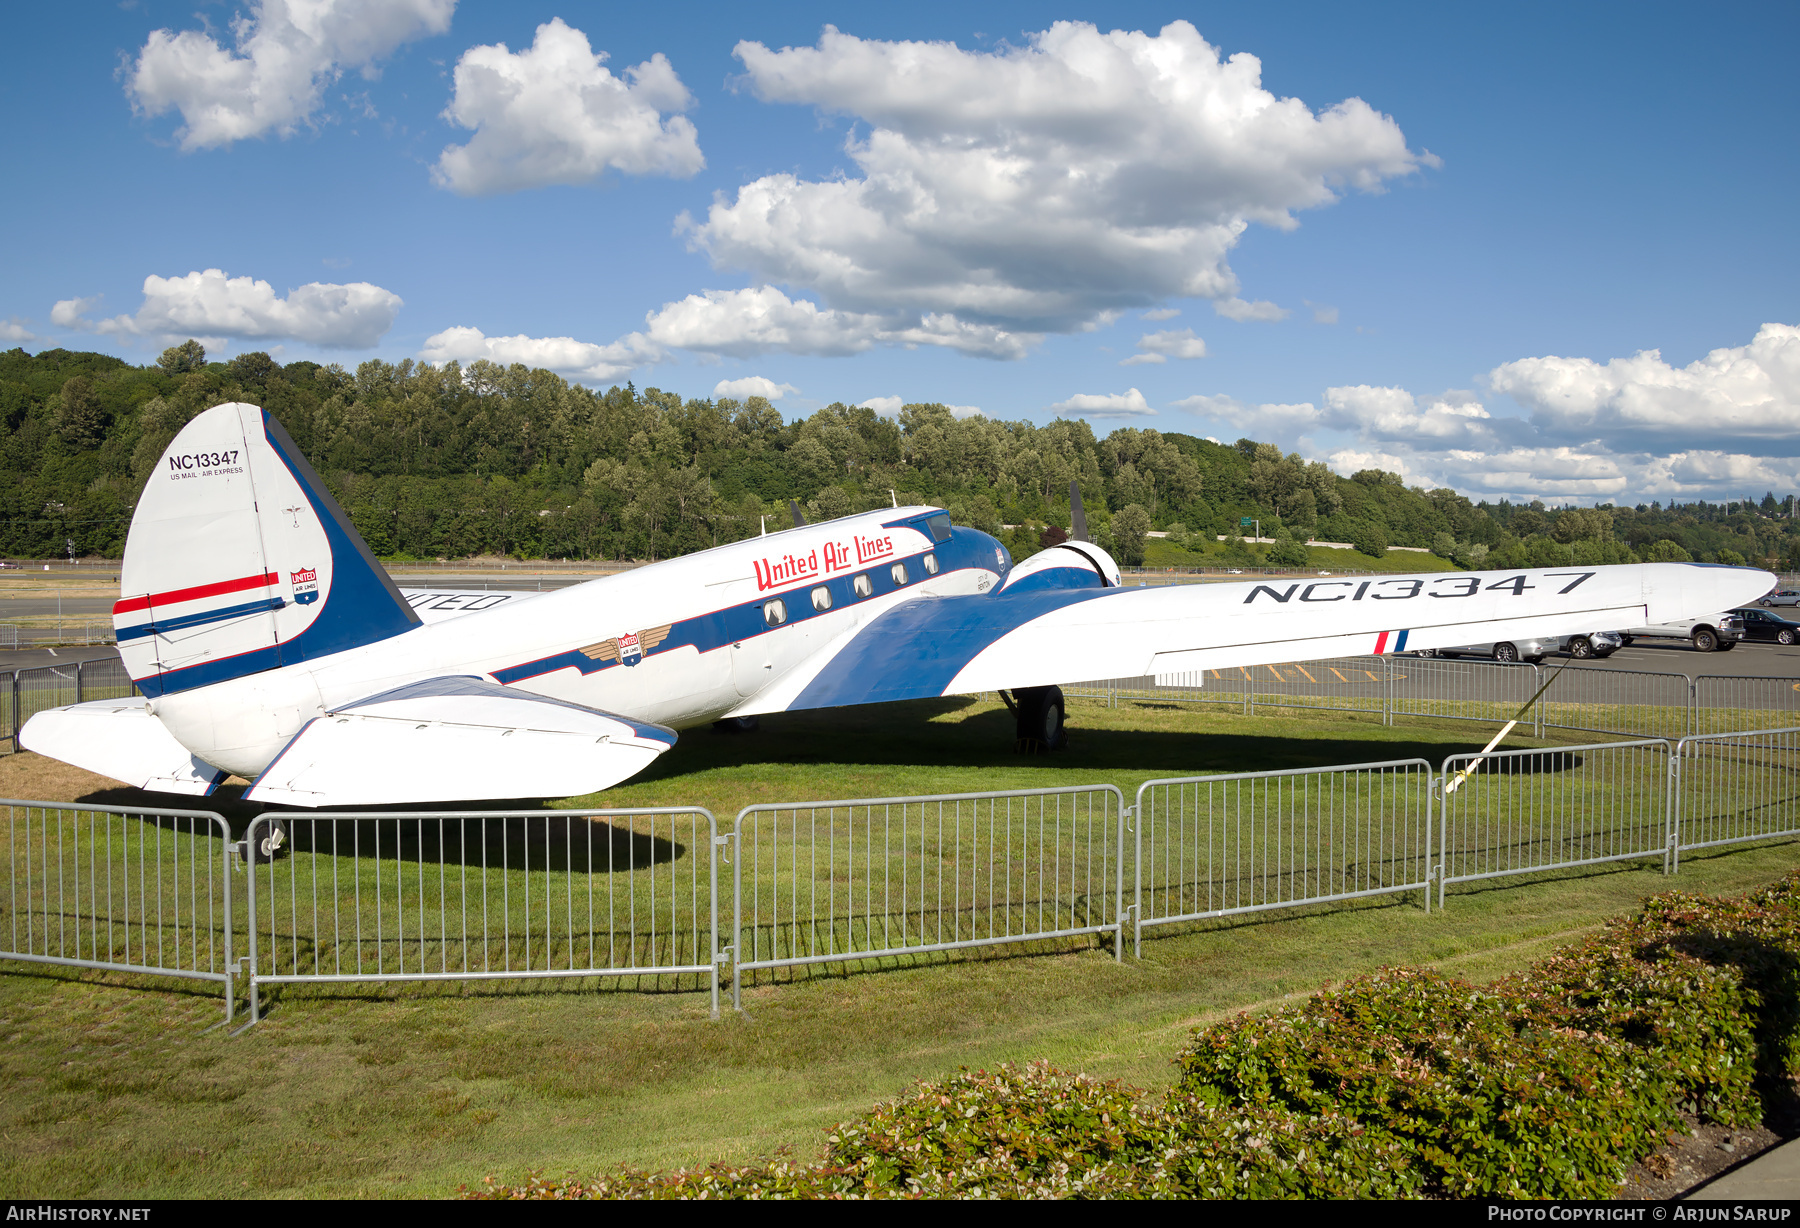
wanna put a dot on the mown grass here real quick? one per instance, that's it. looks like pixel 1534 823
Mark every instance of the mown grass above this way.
pixel 112 1088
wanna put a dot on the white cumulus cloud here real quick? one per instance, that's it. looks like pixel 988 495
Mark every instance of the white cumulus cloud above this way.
pixel 1237 309
pixel 1170 343
pixel 564 355
pixel 752 386
pixel 1041 185
pixel 887 407
pixel 1127 404
pixel 209 303
pixel 553 113
pixel 286 53
pixel 761 319
pixel 1748 393
pixel 15 330
pixel 1268 421
pixel 68 312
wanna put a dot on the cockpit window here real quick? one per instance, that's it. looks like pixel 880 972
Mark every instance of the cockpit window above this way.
pixel 939 526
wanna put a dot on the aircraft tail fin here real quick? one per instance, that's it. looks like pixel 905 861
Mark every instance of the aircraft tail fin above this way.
pixel 239 561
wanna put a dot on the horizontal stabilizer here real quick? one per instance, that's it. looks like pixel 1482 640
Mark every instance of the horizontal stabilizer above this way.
pixel 449 739
pixel 120 738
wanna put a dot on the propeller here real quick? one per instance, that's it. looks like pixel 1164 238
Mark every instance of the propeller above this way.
pixel 799 520
pixel 1077 517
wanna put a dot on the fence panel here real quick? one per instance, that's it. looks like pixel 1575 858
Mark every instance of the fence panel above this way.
pixel 118 889
pixel 484 896
pixel 1518 811
pixel 1210 846
pixel 103 678
pixel 1734 787
pixel 817 882
pixel 1491 692
pixel 34 690
pixel 1628 703
pixel 1740 705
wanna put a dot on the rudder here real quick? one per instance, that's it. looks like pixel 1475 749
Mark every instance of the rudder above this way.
pixel 240 561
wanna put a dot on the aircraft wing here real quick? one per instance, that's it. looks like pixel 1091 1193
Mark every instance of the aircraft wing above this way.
pixel 1006 640
pixel 455 738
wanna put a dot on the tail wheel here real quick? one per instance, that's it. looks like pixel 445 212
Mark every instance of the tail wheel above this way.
pixel 267 839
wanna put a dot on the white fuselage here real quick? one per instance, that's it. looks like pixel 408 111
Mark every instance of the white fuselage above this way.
pixel 722 644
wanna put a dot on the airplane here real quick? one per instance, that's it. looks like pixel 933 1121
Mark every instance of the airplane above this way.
pixel 268 643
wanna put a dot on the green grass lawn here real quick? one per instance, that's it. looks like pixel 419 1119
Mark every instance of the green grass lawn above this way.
pixel 113 1088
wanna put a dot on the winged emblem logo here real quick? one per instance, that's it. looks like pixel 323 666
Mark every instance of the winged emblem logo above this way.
pixel 627 648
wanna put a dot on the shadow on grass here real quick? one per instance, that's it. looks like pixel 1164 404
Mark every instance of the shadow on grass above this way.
pixel 968 732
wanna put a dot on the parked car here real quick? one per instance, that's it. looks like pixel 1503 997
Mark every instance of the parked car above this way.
pixel 1787 596
pixel 9 565
pixel 1533 650
pixel 1714 633
pixel 1762 625
pixel 1595 645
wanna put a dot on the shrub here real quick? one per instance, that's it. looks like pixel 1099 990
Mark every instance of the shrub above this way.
pixel 1289 553
pixel 1485 1107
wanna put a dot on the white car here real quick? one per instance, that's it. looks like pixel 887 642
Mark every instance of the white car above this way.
pixel 1714 633
pixel 1595 645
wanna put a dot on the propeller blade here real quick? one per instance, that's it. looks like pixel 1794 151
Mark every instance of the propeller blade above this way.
pixel 799 520
pixel 1077 517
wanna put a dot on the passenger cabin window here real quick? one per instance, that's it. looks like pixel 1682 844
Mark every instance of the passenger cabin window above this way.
pixel 863 586
pixel 821 598
pixel 931 564
pixel 940 527
pixel 775 612
pixel 899 573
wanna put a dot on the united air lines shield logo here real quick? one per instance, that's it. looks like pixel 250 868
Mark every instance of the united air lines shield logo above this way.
pixel 306 585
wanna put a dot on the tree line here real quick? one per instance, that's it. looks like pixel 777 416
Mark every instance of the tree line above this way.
pixel 453 461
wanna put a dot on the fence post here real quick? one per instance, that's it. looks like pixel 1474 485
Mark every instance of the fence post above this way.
pixel 1672 811
pixel 1537 706
pixel 1387 690
pixel 737 911
pixel 79 679
pixel 1430 870
pixel 16 722
pixel 717 841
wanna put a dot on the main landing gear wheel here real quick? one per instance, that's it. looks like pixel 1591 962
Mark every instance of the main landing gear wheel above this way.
pixel 1038 712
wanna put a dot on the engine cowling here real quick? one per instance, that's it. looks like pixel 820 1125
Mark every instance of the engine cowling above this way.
pixel 1066 565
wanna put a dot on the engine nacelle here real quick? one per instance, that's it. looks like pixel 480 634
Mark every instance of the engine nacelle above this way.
pixel 1068 565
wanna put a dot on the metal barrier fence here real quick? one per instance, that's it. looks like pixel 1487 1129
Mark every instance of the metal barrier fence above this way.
pixel 1731 705
pixel 1523 811
pixel 1211 846
pixel 26 692
pixel 1592 699
pixel 9 635
pixel 120 890
pixel 1734 787
pixel 820 882
pixel 461 895
pixel 470 895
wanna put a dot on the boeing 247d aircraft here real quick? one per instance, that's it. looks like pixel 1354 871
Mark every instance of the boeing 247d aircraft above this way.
pixel 269 644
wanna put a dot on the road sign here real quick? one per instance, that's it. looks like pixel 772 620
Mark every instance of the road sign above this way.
pixel 1245 522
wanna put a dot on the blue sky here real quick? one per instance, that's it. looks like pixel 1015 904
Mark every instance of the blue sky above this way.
pixel 1430 238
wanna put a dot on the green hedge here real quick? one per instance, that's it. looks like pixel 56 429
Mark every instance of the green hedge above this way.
pixel 1406 1083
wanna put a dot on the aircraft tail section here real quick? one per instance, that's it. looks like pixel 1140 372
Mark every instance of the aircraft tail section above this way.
pixel 240 561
